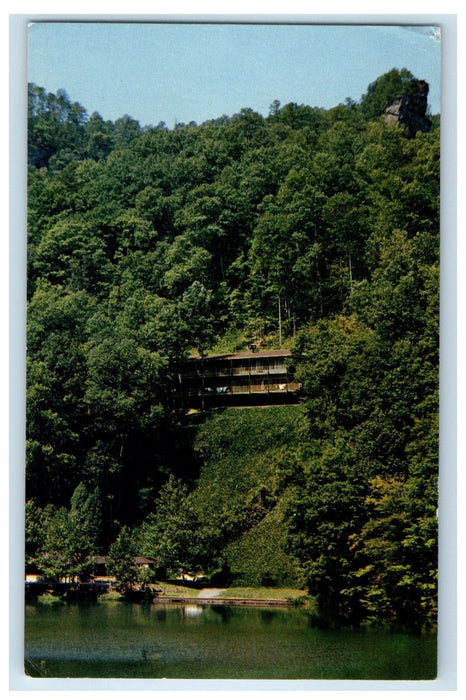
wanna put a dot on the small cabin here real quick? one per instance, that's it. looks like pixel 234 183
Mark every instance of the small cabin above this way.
pixel 255 377
pixel 99 566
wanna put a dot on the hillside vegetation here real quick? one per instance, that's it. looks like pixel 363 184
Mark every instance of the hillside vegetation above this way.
pixel 241 490
pixel 148 243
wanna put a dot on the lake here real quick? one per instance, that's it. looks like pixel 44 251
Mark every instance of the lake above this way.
pixel 128 640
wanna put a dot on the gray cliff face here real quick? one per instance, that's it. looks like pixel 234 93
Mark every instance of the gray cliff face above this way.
pixel 409 110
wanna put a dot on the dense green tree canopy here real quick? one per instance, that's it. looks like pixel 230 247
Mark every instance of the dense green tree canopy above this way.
pixel 149 243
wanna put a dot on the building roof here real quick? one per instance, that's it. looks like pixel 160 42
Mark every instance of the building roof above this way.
pixel 144 560
pixel 137 560
pixel 98 560
pixel 243 355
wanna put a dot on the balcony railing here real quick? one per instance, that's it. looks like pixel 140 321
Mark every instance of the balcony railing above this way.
pixel 243 388
pixel 217 377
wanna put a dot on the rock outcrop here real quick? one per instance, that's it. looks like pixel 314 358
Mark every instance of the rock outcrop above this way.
pixel 409 109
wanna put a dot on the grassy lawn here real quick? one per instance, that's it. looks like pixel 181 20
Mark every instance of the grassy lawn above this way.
pixel 262 593
pixel 111 595
pixel 172 590
pixel 242 592
pixel 49 599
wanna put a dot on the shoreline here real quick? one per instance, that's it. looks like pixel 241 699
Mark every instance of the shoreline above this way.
pixel 174 599
pixel 254 602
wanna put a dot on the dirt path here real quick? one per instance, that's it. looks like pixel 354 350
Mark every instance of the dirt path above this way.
pixel 210 592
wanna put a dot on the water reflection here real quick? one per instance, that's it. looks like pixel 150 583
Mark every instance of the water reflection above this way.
pixel 193 610
pixel 213 641
pixel 224 612
pixel 268 616
pixel 160 614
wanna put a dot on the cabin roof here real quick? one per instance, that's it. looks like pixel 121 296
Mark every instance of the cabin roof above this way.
pixel 98 560
pixel 242 355
pixel 137 560
pixel 144 560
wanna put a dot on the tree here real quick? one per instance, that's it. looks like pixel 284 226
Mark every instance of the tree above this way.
pixel 34 533
pixel 195 310
pixel 55 124
pixel 285 255
pixel 322 516
pixel 397 580
pixel 170 533
pixel 345 224
pixel 370 388
pixel 72 253
pixel 68 539
pixel 382 92
pixel 56 371
pixel 186 263
pixel 339 366
pixel 86 512
pixel 120 561
pixel 67 550
pixel 125 130
pixel 148 243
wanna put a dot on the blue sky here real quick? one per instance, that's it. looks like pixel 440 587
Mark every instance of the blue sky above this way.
pixel 194 72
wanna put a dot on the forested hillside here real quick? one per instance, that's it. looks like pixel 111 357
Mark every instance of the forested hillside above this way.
pixel 148 243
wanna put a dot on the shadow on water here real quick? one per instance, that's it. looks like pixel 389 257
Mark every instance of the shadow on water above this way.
pixel 268 616
pixel 223 611
pixel 160 614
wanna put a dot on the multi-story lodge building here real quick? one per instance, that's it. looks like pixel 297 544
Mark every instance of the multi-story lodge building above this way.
pixel 254 377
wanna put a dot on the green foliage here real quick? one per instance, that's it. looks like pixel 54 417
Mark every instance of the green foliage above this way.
pixel 239 494
pixel 194 309
pixel 145 244
pixel 86 513
pixel 61 543
pixel 34 531
pixel 170 533
pixel 383 91
pixel 397 548
pixel 370 384
pixel 120 561
pixel 260 556
pixel 56 127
